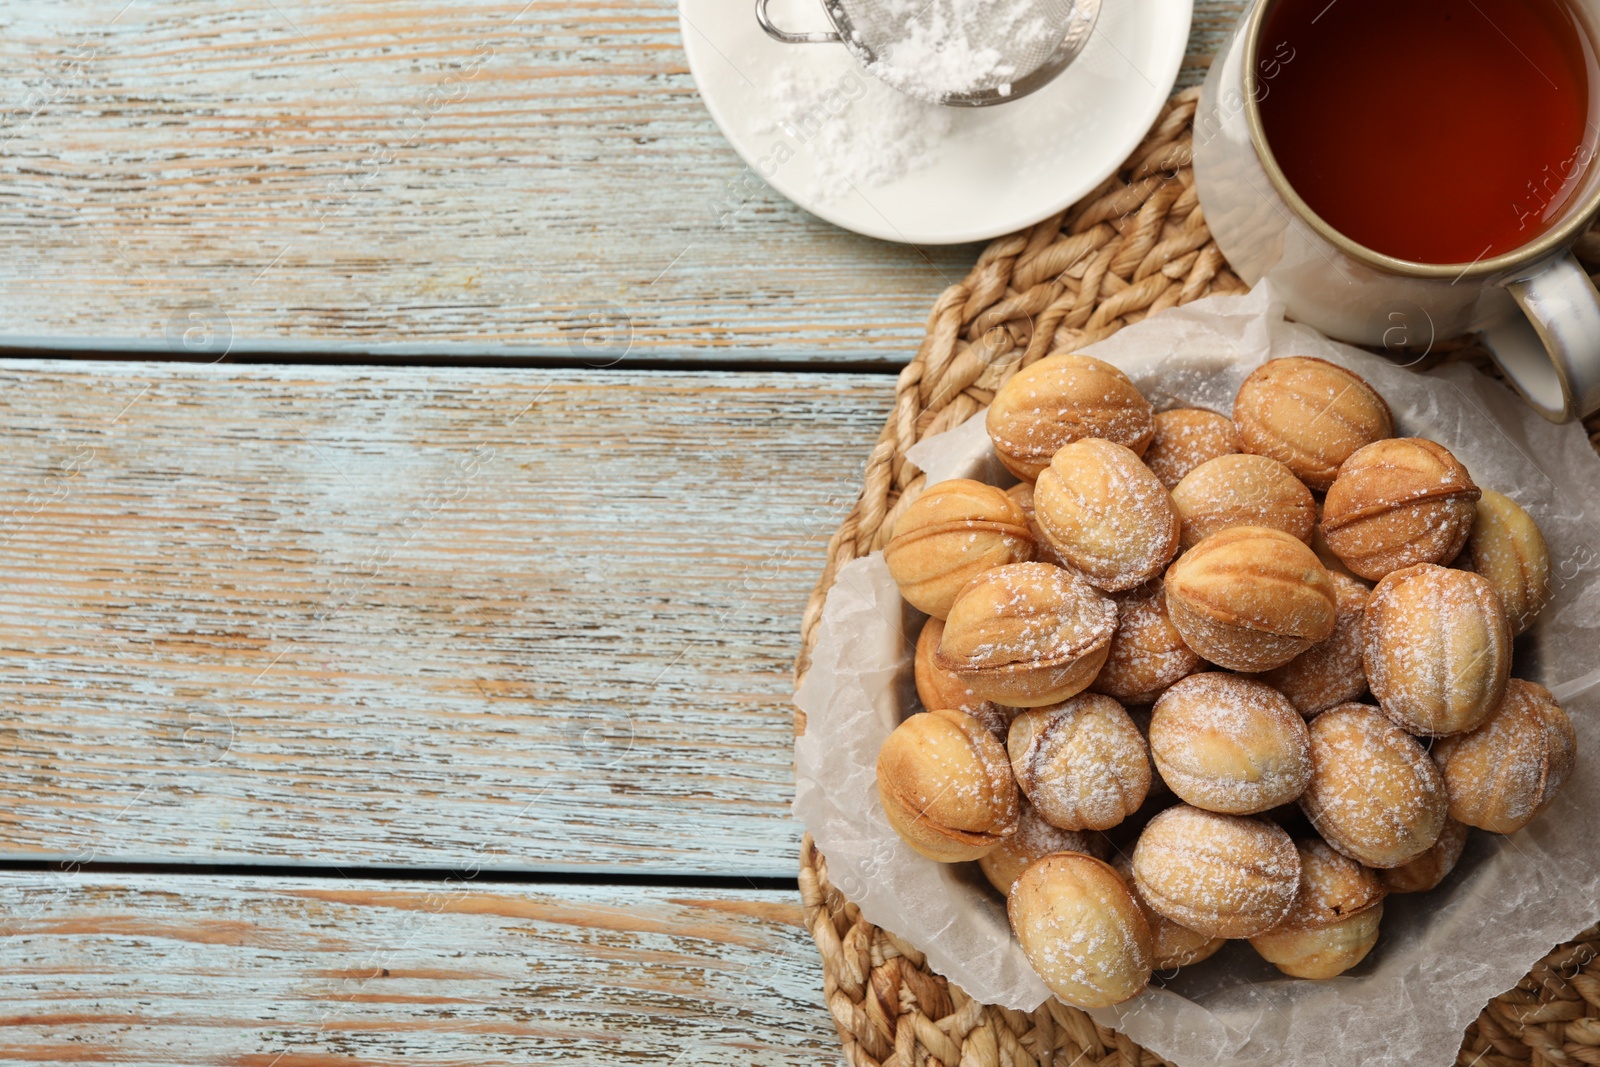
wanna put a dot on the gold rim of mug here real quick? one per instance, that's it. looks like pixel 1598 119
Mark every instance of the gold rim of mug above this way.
pixel 1550 242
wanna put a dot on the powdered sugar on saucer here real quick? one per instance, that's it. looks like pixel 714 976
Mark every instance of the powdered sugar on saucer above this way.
pixel 859 133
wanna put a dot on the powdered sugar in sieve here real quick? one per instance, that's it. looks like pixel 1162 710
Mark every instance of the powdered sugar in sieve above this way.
pixel 964 53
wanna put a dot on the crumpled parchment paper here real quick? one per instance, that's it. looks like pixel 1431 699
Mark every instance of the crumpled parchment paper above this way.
pixel 1441 955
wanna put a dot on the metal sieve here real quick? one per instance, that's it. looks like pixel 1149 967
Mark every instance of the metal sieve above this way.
pixel 962 53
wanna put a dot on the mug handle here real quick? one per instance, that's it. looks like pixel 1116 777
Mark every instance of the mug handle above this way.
pixel 1551 352
pixel 777 33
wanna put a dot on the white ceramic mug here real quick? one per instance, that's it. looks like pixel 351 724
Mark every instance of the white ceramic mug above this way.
pixel 1537 309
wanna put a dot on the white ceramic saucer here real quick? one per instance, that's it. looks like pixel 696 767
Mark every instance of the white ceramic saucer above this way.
pixel 989 171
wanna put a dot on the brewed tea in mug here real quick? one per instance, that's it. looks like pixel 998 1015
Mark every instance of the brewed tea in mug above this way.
pixel 1435 131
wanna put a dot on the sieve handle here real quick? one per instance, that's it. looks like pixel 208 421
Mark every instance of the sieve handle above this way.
pixel 785 36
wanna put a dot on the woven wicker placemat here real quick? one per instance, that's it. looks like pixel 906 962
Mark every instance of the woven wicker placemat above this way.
pixel 1136 245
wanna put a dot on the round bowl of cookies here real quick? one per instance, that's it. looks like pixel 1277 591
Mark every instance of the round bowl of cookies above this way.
pixel 1200 651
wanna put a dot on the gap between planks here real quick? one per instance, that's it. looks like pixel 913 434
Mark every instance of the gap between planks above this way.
pixel 470 356
pixel 264 872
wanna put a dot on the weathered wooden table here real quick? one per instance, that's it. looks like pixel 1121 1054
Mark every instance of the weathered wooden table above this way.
pixel 410 686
